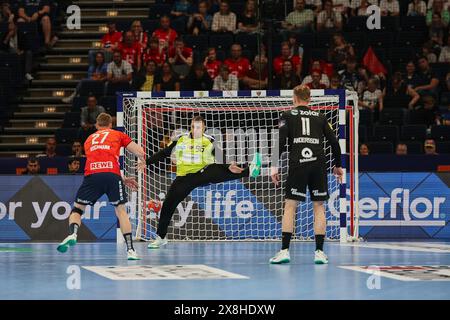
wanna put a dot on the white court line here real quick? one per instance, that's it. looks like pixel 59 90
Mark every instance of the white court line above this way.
pixel 405 246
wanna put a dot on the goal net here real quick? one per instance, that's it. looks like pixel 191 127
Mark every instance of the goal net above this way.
pixel 242 123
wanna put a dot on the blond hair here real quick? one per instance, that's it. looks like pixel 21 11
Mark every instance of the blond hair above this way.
pixel 104 120
pixel 302 92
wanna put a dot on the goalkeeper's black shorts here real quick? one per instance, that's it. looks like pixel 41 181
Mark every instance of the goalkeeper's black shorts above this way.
pixel 312 175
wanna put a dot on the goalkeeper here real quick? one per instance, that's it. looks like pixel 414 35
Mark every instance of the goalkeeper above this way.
pixel 194 153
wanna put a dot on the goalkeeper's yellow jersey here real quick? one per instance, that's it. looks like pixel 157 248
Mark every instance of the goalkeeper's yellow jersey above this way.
pixel 191 154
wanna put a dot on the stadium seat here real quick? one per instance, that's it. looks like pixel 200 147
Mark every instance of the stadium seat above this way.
pixel 3 28
pixel 149 26
pixel 112 88
pixel 109 103
pixel 222 42
pixel 416 117
pixel 445 99
pixel 179 25
pixel 393 116
pixel 123 25
pixel 409 39
pixel 356 24
pixel 443 147
pixel 199 42
pixel 366 117
pixel 5 76
pixel 398 55
pixel 413 23
pixel 78 103
pixel 319 54
pixel 381 39
pixel 237 7
pixel 414 147
pixel 356 39
pixel 248 54
pixel 381 147
pixel 323 39
pixel 89 87
pixel 64 150
pixel 390 24
pixel 157 10
pixel 362 134
pixel 385 133
pixel 305 40
pixel 414 133
pixel 71 120
pixel 66 135
pixel 11 61
pixel 30 30
pixel 221 55
pixel 247 41
pixel 440 133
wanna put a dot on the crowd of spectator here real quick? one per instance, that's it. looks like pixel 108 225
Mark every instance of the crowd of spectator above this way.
pixel 18 41
pixel 162 60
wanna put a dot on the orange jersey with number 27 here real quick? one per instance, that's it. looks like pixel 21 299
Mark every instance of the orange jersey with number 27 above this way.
pixel 103 150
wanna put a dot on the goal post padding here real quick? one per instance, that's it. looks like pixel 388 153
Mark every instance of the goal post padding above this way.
pixel 241 122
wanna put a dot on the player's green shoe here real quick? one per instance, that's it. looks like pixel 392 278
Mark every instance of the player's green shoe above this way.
pixel 320 257
pixel 282 256
pixel 70 241
pixel 255 165
pixel 132 255
pixel 157 243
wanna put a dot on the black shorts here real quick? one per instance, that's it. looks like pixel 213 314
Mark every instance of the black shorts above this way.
pixel 98 184
pixel 313 176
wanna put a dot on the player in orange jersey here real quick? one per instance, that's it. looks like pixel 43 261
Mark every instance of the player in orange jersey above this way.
pixel 102 176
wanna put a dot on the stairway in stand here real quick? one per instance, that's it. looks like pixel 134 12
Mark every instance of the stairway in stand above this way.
pixel 41 109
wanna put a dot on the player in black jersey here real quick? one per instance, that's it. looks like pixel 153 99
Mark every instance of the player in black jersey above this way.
pixel 304 130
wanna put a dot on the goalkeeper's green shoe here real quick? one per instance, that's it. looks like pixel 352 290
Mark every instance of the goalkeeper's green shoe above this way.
pixel 157 243
pixel 70 241
pixel 255 165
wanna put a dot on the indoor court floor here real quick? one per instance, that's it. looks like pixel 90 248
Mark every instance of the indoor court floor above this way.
pixel 225 271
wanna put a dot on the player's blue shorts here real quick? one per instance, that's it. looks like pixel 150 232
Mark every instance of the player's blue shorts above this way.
pixel 98 184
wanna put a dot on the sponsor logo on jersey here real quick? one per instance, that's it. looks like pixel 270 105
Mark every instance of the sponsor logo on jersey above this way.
pixel 306 140
pixel 307 153
pixel 309 113
pixel 307 160
pixel 294 112
pixel 102 146
pixel 101 165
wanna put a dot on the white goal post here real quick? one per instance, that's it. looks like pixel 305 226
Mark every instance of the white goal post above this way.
pixel 242 122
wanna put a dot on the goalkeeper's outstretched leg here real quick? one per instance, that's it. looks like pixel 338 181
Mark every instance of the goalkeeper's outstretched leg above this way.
pixel 183 185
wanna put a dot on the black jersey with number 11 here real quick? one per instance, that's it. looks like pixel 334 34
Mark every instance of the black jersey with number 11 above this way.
pixel 304 130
